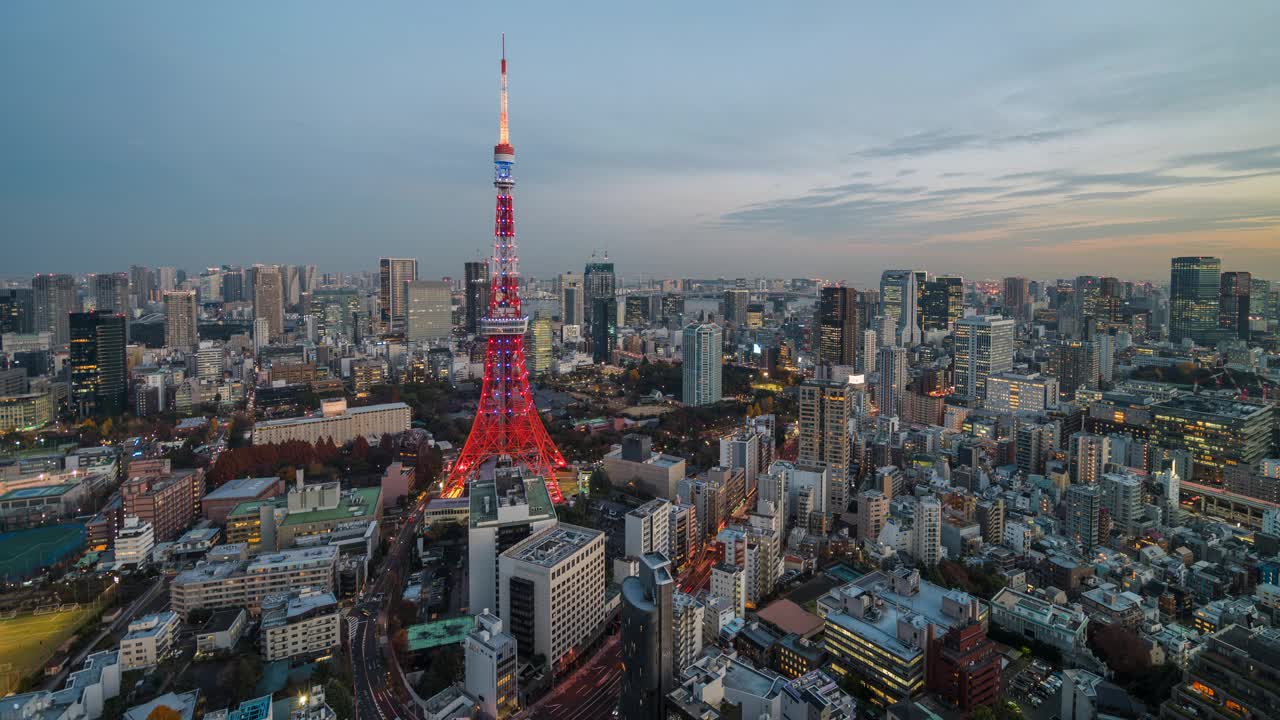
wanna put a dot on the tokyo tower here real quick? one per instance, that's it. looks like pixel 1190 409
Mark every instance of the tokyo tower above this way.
pixel 507 424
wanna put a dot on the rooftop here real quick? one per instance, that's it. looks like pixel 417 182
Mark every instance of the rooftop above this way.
pixel 321 418
pixel 42 491
pixel 791 618
pixel 222 620
pixel 441 632
pixel 1042 611
pixel 246 488
pixel 488 497
pixel 553 545
pixel 1212 405
pixel 355 503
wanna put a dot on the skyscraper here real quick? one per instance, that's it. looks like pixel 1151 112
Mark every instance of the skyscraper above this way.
pixel 839 332
pixel 111 292
pixel 927 528
pixel 99 378
pixel 268 300
pixel 181 319
pixel 17 311
pixel 703 359
pixel 1017 299
pixel 825 409
pixel 540 354
pixel 233 286
pixel 909 317
pixel 475 276
pixel 735 305
pixel 142 282
pixel 393 273
pixel 428 311
pixel 1193 298
pixel 983 347
pixel 291 277
pixel 55 300
pixel 892 366
pixel 571 299
pixel 604 329
pixel 1083 505
pixel 1076 364
pixel 942 302
pixel 598 281
pixel 647 639
pixel 1234 294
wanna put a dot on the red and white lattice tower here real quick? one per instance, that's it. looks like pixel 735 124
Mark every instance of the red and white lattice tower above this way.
pixel 507 424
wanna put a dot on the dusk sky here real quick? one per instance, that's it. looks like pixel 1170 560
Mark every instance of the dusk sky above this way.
pixel 689 139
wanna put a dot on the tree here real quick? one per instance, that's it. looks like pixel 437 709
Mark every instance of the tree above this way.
pixel 164 712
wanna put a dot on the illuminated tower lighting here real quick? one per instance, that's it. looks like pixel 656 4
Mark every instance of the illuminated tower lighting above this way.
pixel 507 423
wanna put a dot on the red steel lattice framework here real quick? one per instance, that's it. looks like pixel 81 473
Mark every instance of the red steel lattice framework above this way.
pixel 507 423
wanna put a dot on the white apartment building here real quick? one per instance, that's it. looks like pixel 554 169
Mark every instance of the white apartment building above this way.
pixel 927 526
pixel 687 618
pixel 248 584
pixel 648 529
pixel 552 591
pixel 300 624
pixel 150 640
pixel 134 542
pixel 730 583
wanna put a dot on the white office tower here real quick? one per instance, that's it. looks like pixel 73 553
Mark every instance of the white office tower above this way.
pixel 552 592
pixel 741 450
pixel 702 347
pixel 892 367
pixel 1122 499
pixel 909 317
pixel 867 356
pixel 687 616
pixel 729 583
pixel 428 311
pixel 491 667
pixel 1011 392
pixel 1170 500
pixel 648 529
pixel 503 511
pixel 261 334
pixel 983 347
pixel 927 527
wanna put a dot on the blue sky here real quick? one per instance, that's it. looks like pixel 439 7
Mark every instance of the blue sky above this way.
pixel 687 139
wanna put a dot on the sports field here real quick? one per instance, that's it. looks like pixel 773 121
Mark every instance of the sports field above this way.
pixel 23 553
pixel 28 641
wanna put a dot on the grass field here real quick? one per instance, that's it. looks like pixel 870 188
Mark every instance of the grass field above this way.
pixel 28 641
pixel 24 552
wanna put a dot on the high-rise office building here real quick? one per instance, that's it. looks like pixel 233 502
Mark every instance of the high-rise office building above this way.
pixel 598 282
pixel 475 277
pixel 571 299
pixel 839 333
pixel 142 283
pixel 983 347
pixel 490 667
pixel 393 276
pixel 1076 364
pixel 1011 392
pixel 703 363
pixel 181 318
pixel 111 292
pixel 1122 498
pixel 647 639
pixel 17 311
pixel 825 409
pixel 1234 292
pixel 604 328
pixel 1017 299
pixel 735 305
pixel 54 301
pixel 99 377
pixel 539 358
pixel 428 311
pixel 942 302
pixel 552 593
pixel 166 280
pixel 1084 503
pixel 909 318
pixel 1194 286
pixel 291 285
pixel 504 511
pixel 233 285
pixel 268 300
pixel 892 366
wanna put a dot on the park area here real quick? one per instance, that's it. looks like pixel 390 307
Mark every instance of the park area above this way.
pixel 28 641
pixel 24 553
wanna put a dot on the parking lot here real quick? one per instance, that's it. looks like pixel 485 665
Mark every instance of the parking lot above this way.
pixel 1036 691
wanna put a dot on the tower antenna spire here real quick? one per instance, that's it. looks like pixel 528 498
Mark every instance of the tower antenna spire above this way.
pixel 504 137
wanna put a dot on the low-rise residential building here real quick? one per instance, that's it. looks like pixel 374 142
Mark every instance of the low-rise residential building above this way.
pixel 150 640
pixel 336 422
pixel 221 631
pixel 1111 605
pixel 1037 619
pixel 248 584
pixel 304 624
pixel 134 542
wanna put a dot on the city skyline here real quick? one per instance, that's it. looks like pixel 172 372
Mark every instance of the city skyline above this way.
pixel 854 140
